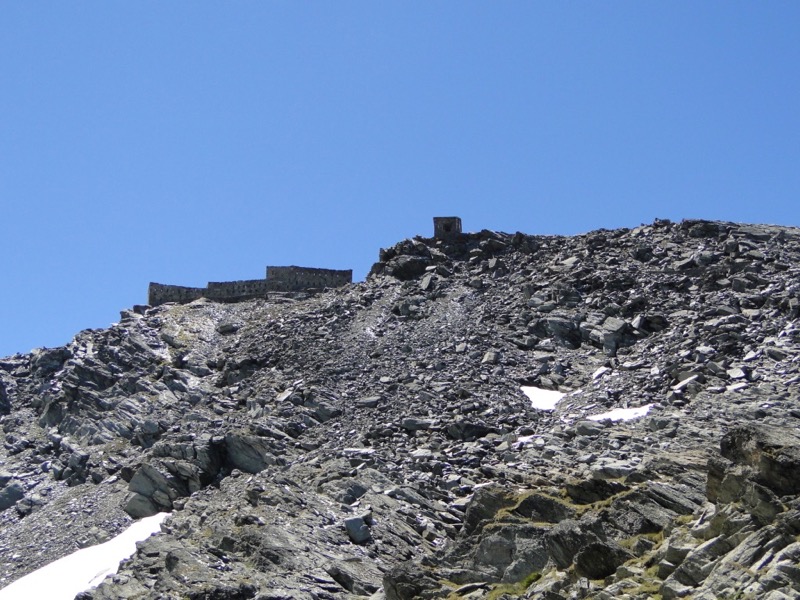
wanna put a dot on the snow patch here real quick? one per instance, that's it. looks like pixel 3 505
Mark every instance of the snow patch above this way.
pixel 623 414
pixel 542 399
pixel 86 568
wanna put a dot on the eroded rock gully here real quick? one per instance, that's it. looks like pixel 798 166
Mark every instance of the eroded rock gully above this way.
pixel 373 441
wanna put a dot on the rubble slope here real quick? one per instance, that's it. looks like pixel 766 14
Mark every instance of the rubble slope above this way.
pixel 374 440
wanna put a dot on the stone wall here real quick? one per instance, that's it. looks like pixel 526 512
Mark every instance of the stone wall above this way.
pixel 158 293
pixel 294 279
pixel 238 290
pixel 279 279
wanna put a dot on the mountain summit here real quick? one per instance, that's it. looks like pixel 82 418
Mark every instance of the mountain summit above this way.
pixel 608 415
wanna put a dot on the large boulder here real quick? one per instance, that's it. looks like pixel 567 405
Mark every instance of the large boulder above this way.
pixel 154 488
pixel 772 453
pixel 248 453
pixel 11 490
pixel 407 267
pixel 600 559
pixel 407 582
pixel 484 505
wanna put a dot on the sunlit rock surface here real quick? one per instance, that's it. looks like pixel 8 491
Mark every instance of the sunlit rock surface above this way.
pixel 391 438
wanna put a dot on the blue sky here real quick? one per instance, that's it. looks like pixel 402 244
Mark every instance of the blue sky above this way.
pixel 185 142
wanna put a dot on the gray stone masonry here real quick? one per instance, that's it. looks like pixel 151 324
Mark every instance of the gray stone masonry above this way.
pixel 294 279
pixel 446 227
pixel 279 279
pixel 159 293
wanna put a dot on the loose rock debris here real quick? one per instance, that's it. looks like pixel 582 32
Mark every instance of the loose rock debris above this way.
pixel 374 440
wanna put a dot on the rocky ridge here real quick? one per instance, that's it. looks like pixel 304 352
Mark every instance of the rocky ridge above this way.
pixel 373 440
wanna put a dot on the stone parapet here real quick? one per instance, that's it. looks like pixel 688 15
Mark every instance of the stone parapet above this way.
pixel 159 293
pixel 294 279
pixel 279 279
pixel 238 290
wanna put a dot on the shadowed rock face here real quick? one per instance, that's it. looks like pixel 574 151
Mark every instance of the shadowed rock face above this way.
pixel 373 440
pixel 773 453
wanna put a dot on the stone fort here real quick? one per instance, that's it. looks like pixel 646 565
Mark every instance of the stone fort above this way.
pixel 278 279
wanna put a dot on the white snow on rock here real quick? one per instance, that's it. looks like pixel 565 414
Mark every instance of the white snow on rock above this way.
pixel 84 569
pixel 622 414
pixel 542 399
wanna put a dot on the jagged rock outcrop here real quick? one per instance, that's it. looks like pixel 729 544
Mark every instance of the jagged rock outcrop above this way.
pixel 374 440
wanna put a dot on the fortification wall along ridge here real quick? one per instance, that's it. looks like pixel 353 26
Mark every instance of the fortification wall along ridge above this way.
pixel 158 293
pixel 279 279
pixel 295 279
pixel 240 290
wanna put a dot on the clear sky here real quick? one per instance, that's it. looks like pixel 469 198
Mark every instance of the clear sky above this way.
pixel 187 142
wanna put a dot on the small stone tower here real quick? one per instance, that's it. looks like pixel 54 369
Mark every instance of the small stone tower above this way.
pixel 446 227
